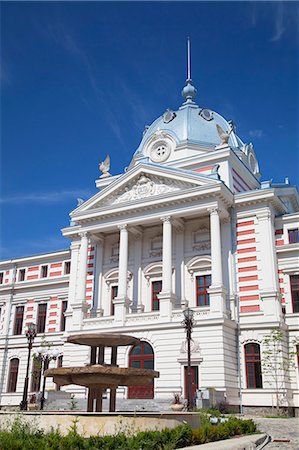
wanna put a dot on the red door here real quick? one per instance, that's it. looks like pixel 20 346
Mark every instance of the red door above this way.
pixel 142 357
pixel 194 381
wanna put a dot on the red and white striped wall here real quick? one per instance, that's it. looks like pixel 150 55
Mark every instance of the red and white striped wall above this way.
pixel 247 267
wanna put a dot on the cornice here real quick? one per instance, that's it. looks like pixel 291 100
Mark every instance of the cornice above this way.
pixel 35 258
pixel 35 283
pixel 260 196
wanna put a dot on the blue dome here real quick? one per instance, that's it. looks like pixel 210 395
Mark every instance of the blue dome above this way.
pixel 191 124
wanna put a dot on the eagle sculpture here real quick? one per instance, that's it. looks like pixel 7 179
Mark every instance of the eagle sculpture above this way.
pixel 104 167
pixel 224 136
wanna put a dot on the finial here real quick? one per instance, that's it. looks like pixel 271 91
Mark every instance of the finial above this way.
pixel 189 92
pixel 188 60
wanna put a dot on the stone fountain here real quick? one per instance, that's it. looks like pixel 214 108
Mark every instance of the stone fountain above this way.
pixel 97 375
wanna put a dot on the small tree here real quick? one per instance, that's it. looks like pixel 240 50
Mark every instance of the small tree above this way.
pixel 277 362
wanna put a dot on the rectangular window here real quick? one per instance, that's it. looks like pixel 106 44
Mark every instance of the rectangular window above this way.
pixel 114 292
pixel 1 277
pixel 294 279
pixel 44 272
pixel 41 318
pixel 62 320
pixel 203 282
pixel 22 274
pixel 253 366
pixel 293 236
pixel 18 325
pixel 156 289
pixel 67 267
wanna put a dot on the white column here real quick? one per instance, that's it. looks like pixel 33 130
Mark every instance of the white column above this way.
pixel 217 291
pixel 166 297
pixel 98 307
pixel 82 268
pixel 121 302
pixel 216 247
pixel 167 255
pixel 123 261
pixel 268 284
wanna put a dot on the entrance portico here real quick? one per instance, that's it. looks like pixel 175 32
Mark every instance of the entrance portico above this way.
pixel 130 237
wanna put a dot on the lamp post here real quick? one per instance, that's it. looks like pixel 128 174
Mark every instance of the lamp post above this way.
pixel 30 335
pixel 188 323
pixel 45 355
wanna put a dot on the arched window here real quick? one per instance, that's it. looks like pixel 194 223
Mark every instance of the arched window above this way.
pixel 253 366
pixel 36 374
pixel 199 268
pixel 142 357
pixel 13 375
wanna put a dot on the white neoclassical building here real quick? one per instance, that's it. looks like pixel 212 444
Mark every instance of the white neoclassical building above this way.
pixel 189 223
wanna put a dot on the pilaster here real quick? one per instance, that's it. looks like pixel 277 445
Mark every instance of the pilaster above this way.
pixel 166 297
pixel 137 305
pixel 269 288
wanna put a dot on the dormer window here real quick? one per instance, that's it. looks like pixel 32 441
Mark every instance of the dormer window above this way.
pixel 44 272
pixel 293 235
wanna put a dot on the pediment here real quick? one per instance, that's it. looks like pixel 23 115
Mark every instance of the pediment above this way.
pixel 143 183
pixel 145 186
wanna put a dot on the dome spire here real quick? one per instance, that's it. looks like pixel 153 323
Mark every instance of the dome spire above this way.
pixel 189 92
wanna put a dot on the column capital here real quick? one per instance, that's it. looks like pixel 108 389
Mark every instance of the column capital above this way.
pixel 83 234
pixel 214 210
pixel 123 226
pixel 167 219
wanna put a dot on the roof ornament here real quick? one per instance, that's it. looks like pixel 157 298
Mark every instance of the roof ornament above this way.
pixel 189 91
pixel 104 167
pixel 224 136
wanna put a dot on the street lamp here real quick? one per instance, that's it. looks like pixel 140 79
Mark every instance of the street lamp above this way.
pixel 45 355
pixel 30 335
pixel 188 323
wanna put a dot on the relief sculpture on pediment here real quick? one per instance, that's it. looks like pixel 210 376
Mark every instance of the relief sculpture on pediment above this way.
pixel 145 187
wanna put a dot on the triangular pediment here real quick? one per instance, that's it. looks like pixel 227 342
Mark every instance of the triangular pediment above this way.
pixel 144 182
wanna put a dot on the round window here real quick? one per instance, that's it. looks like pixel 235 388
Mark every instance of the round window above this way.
pixel 160 151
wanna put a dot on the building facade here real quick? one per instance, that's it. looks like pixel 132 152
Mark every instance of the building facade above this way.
pixel 188 223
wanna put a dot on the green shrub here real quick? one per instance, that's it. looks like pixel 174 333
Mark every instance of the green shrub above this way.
pixel 22 436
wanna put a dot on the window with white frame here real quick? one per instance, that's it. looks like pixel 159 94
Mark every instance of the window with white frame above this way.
pixel 44 271
pixel 22 273
pixel 67 267
pixel 199 268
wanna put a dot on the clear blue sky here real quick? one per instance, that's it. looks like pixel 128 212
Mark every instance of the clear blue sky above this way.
pixel 81 79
